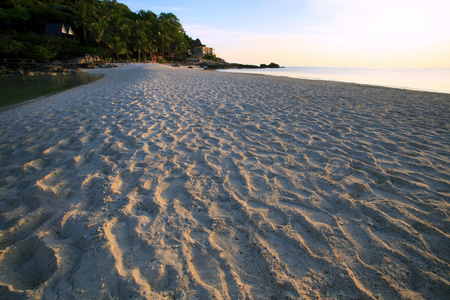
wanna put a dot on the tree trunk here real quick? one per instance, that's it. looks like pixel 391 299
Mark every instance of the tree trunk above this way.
pixel 84 35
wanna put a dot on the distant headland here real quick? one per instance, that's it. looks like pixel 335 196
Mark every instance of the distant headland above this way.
pixel 205 57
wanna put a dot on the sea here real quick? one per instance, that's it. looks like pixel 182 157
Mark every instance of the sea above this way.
pixel 431 80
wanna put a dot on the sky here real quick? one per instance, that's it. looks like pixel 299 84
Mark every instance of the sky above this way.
pixel 330 33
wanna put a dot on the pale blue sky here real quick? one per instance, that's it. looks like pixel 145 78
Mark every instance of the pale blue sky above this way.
pixel 348 33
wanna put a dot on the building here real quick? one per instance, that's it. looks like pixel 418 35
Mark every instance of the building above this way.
pixel 157 56
pixel 199 50
pixel 58 29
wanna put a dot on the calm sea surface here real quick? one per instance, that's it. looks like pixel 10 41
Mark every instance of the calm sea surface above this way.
pixel 433 80
pixel 16 89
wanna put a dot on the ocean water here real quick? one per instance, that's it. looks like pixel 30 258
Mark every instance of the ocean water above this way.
pixel 432 80
pixel 17 89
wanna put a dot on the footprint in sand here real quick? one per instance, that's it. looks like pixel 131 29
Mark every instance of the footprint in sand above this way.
pixel 28 264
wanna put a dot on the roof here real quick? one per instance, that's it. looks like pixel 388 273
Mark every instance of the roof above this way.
pixel 58 29
pixel 198 43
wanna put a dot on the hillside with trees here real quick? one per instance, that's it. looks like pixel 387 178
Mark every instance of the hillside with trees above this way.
pixel 105 28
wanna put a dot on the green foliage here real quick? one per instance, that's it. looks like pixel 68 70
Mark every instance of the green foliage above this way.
pixel 117 46
pixel 17 16
pixel 11 49
pixel 212 57
pixel 40 16
pixel 81 50
pixel 30 46
pixel 41 52
pixel 101 27
pixel 32 38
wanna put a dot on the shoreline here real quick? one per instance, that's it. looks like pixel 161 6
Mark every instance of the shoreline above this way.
pixel 405 86
pixel 239 71
pixel 158 182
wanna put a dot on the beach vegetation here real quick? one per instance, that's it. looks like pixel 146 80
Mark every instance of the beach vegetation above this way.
pixel 42 52
pixel 105 28
pixel 117 46
pixel 212 57
pixel 11 48
pixel 41 47
pixel 142 38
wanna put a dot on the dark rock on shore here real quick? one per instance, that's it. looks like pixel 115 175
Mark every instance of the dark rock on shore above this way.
pixel 43 70
pixel 271 65
pixel 225 65
pixel 30 67
pixel 86 60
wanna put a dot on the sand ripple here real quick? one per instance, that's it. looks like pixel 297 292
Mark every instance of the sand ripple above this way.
pixel 157 182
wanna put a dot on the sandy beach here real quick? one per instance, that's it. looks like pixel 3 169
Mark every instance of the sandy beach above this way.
pixel 173 183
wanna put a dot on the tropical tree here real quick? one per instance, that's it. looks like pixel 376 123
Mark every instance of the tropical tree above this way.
pixel 147 16
pixel 172 38
pixel 164 36
pixel 98 30
pixel 82 13
pixel 17 15
pixel 180 45
pixel 171 19
pixel 142 38
pixel 112 25
pixel 117 46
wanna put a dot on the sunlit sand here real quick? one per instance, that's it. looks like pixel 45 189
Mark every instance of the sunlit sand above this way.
pixel 174 183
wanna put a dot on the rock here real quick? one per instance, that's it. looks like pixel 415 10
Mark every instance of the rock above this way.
pixel 51 68
pixel 224 65
pixel 273 65
pixel 29 73
pixel 87 59
pixel 106 66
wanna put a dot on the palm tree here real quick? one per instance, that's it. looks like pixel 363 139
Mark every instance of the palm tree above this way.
pixel 98 30
pixel 125 30
pixel 117 45
pixel 82 11
pixel 172 19
pixel 164 36
pixel 139 39
pixel 180 45
pixel 142 38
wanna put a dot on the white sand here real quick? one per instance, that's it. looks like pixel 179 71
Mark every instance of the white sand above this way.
pixel 159 182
